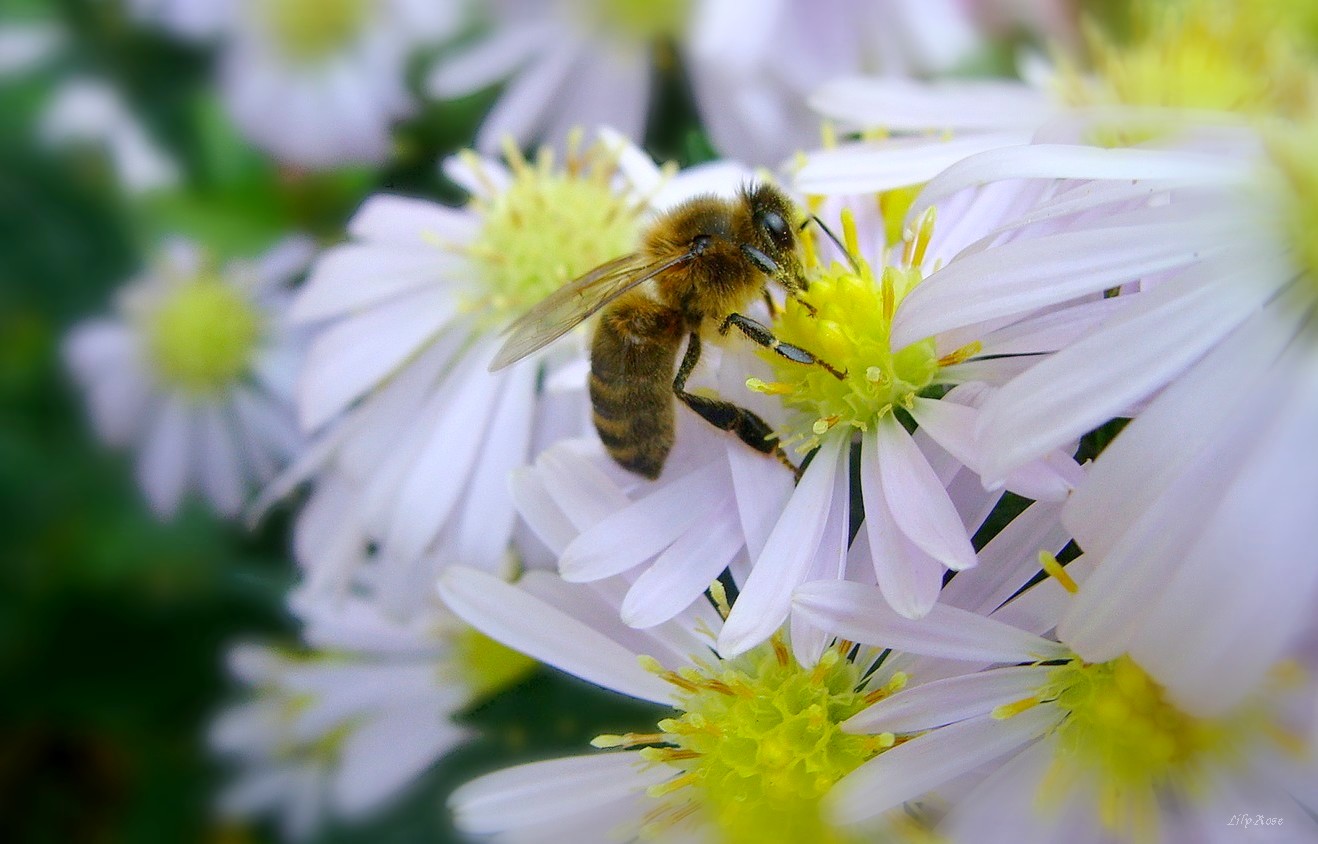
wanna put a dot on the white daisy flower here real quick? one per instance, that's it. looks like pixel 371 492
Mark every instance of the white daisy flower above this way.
pixel 1214 249
pixel 316 83
pixel 343 727
pixel 575 62
pixel 915 528
pixel 1071 749
pixel 1199 57
pixel 90 112
pixel 396 385
pixel 195 371
pixel 748 750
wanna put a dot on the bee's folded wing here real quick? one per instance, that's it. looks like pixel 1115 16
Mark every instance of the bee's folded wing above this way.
pixel 570 305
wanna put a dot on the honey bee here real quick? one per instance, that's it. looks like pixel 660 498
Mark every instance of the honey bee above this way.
pixel 707 259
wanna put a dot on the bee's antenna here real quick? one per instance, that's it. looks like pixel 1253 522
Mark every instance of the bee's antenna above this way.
pixel 851 259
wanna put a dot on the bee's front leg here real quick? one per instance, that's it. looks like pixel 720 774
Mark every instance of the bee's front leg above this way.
pixel 761 335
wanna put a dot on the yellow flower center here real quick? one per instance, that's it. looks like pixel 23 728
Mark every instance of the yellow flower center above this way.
pixel 1220 55
pixel 1294 152
pixel 850 330
pixel 489 667
pixel 548 226
pixel 1121 734
pixel 310 30
pixel 758 744
pixel 641 20
pixel 201 338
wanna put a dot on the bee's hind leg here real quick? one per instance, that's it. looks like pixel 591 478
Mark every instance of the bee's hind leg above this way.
pixel 761 335
pixel 725 415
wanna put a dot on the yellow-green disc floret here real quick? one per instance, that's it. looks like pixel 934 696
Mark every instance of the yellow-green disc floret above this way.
pixel 642 20
pixel 202 336
pixel 548 226
pixel 758 744
pixel 308 30
pixel 1222 55
pixel 849 328
pixel 1120 727
pixel 1294 152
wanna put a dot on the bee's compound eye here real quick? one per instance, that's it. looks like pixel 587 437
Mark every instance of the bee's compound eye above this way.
pixel 774 223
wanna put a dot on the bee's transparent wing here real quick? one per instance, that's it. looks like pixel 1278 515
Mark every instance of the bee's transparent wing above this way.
pixel 570 305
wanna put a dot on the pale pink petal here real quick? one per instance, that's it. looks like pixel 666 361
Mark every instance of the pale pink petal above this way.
pixel 902 104
pixel 861 614
pixel 766 597
pixel 543 792
pixel 639 531
pixel 686 569
pixel 1028 274
pixel 379 758
pixel 950 700
pixel 1093 380
pixel 355 355
pixel 910 770
pixel 162 468
pixel 524 623
pixel 922 511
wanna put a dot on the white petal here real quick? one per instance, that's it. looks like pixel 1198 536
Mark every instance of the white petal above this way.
pixel 486 62
pixel 488 514
pixel 438 473
pixel 162 468
pixel 639 531
pixel 908 577
pixel 950 700
pixel 1008 561
pixel 684 571
pixel 898 104
pixel 1095 379
pixel 542 792
pixel 219 461
pixel 1048 161
pixel 1140 464
pixel 522 107
pixel 379 758
pixel 409 223
pixel 354 277
pixel 766 597
pixel 861 614
pixel 762 489
pixel 524 623
pixel 910 770
pixel 1028 274
pixel 357 354
pixel 1263 519
pixel 902 162
pixel 923 511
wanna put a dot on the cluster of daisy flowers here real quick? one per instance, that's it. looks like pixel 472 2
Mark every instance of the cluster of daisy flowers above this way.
pixel 1045 385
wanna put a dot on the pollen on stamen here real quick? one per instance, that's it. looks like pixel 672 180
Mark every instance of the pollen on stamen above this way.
pixel 1057 572
pixel 1011 710
pixel 543 224
pixel 754 764
pixel 845 319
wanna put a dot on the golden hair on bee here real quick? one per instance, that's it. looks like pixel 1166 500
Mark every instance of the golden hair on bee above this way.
pixel 705 260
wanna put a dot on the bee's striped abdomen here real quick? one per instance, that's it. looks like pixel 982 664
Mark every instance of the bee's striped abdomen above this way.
pixel 631 373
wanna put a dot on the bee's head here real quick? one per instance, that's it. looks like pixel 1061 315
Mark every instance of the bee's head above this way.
pixel 774 222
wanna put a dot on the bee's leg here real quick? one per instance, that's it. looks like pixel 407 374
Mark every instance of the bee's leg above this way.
pixel 725 415
pixel 774 310
pixel 770 267
pixel 761 334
